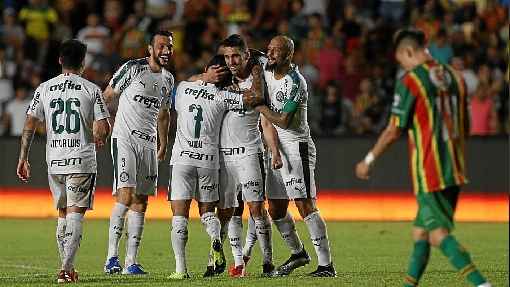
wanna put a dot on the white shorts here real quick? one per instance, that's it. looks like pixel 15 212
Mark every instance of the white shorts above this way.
pixel 76 189
pixel 296 179
pixel 134 166
pixel 242 180
pixel 190 182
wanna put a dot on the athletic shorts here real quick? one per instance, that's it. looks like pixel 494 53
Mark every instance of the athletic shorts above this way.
pixel 134 166
pixel 76 189
pixel 190 182
pixel 296 179
pixel 436 209
pixel 243 179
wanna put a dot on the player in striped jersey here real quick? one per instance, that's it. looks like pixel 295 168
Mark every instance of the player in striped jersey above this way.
pixel 430 104
pixel 139 141
pixel 75 115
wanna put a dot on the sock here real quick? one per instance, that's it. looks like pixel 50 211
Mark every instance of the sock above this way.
pixel 417 263
pixel 319 235
pixel 116 227
pixel 263 230
pixel 179 238
pixel 287 229
pixel 235 230
pixel 461 260
pixel 60 235
pixel 251 237
pixel 224 230
pixel 74 228
pixel 134 235
pixel 212 225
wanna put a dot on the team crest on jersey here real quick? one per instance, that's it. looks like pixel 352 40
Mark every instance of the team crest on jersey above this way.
pixel 440 78
pixel 280 96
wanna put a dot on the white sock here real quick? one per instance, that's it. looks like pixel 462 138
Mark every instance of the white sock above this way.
pixel 224 230
pixel 60 235
pixel 287 229
pixel 179 238
pixel 235 231
pixel 251 237
pixel 134 235
pixel 319 235
pixel 263 230
pixel 74 228
pixel 212 225
pixel 116 227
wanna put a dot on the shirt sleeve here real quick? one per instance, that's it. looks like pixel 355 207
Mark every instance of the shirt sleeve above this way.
pixel 123 77
pixel 232 100
pixel 296 92
pixel 169 97
pixel 36 108
pixel 100 110
pixel 403 106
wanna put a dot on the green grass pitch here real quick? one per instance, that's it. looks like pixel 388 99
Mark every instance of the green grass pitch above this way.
pixel 365 254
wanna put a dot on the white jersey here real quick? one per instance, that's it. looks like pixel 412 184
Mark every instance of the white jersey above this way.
pixel 142 94
pixel 240 134
pixel 200 109
pixel 69 104
pixel 292 87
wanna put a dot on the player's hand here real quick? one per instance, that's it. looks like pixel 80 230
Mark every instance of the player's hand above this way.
pixel 276 161
pixel 214 74
pixel 363 170
pixel 23 170
pixel 99 143
pixel 161 154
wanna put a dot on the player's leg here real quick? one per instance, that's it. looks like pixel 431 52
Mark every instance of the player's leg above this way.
pixel 235 234
pixel 208 197
pixel 440 208
pixel 182 187
pixel 80 195
pixel 146 181
pixel 421 251
pixel 124 182
pixel 58 192
pixel 250 240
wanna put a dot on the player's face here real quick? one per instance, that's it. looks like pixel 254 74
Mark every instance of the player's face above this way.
pixel 277 54
pixel 162 49
pixel 235 58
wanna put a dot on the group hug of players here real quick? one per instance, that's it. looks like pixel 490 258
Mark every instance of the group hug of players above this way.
pixel 241 137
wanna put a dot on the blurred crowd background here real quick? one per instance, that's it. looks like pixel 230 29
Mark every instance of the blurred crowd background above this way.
pixel 343 49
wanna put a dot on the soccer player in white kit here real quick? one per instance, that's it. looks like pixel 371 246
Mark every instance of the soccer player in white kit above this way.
pixel 242 171
pixel 200 108
pixel 139 141
pixel 76 118
pixel 288 97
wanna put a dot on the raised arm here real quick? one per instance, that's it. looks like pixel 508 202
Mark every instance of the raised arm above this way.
pixel 212 75
pixel 23 168
pixel 255 95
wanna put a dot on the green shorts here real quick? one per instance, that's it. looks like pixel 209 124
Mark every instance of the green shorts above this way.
pixel 436 209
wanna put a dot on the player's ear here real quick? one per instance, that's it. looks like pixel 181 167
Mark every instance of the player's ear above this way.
pixel 60 61
pixel 150 49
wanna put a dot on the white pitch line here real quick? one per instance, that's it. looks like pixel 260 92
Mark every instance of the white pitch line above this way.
pixel 24 267
pixel 22 276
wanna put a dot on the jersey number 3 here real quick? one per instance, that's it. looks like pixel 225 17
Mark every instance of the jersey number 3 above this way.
pixel 198 118
pixel 72 116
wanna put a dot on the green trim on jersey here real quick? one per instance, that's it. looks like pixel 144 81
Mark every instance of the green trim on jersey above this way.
pixel 290 106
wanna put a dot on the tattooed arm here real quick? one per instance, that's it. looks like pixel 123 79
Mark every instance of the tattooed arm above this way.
pixel 23 168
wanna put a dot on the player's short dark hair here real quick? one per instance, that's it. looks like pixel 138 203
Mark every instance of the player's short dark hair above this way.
pixel 410 36
pixel 72 54
pixel 160 33
pixel 234 40
pixel 220 61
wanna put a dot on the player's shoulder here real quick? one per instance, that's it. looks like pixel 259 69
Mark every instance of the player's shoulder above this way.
pixel 136 65
pixel 167 75
pixel 296 77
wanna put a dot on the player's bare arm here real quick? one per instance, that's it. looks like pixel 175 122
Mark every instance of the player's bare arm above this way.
pixel 101 130
pixel 385 140
pixel 23 168
pixel 271 138
pixel 109 96
pixel 255 95
pixel 163 125
pixel 213 74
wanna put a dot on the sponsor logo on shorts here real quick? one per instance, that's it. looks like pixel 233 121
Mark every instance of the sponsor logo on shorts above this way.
pixel 66 161
pixel 148 102
pixel 211 187
pixel 195 144
pixel 124 176
pixel 143 136
pixel 79 189
pixel 197 155
pixel 293 181
pixel 250 183
pixel 233 150
pixel 151 177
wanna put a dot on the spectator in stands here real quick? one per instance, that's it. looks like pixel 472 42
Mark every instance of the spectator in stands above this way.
pixel 132 40
pixel 440 48
pixel 298 22
pixel 335 112
pixel 329 61
pixel 15 111
pixel 351 76
pixel 93 35
pixel 11 33
pixel 365 100
pixel 470 77
pixel 482 105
